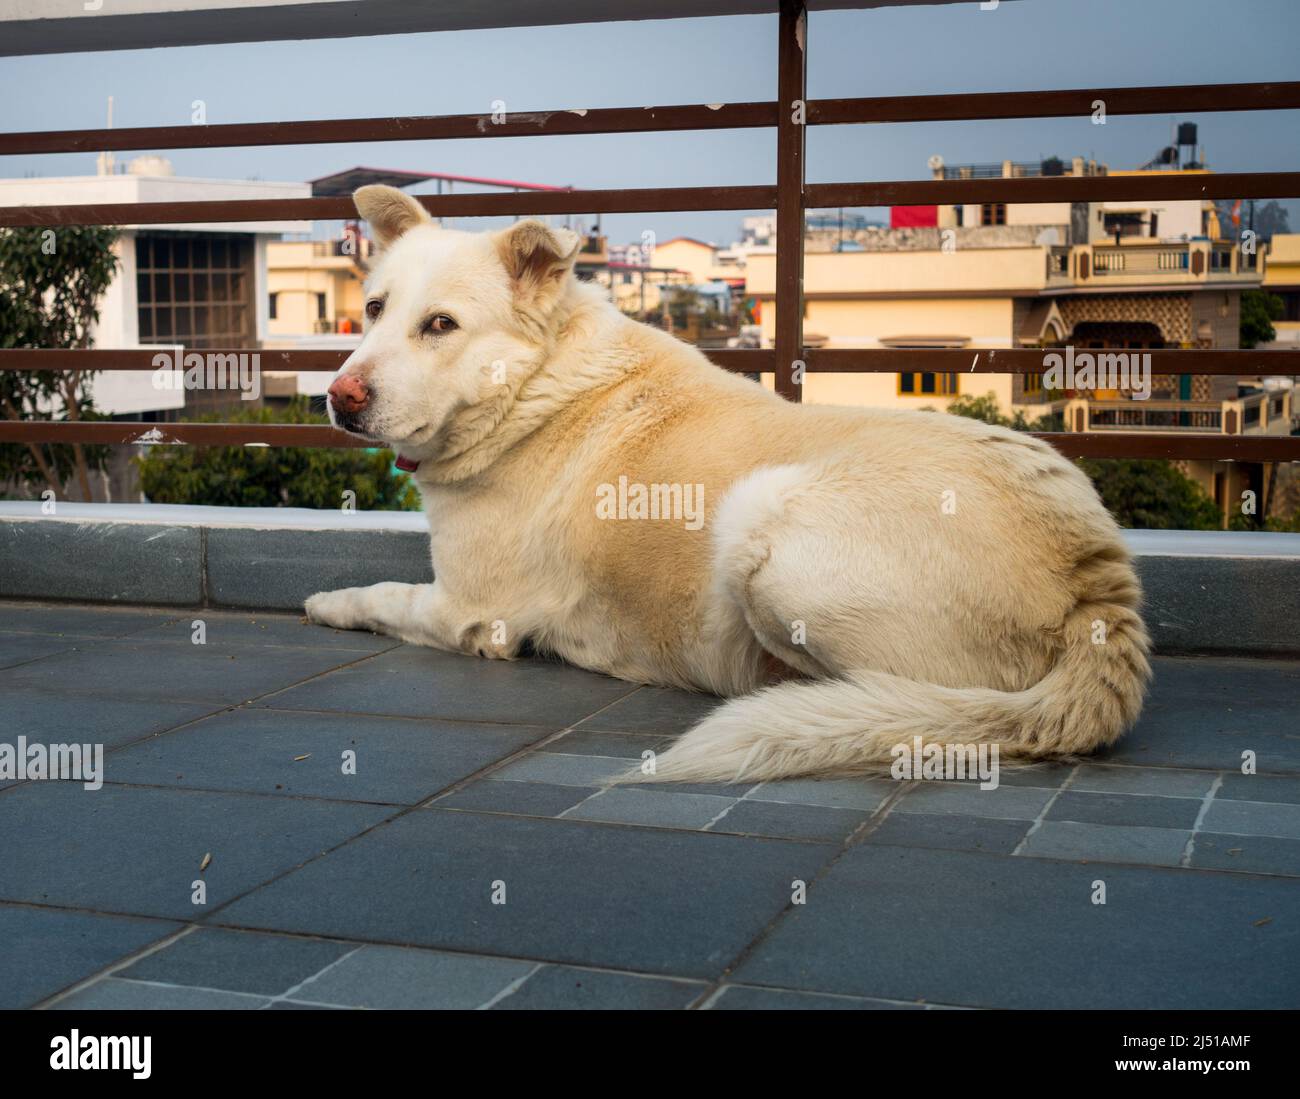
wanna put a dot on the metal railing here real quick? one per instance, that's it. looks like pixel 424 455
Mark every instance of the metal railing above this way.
pixel 791 196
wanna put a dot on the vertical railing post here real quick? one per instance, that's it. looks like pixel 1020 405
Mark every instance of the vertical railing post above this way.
pixel 791 128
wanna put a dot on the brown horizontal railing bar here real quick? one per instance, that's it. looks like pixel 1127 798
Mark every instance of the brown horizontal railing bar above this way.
pixel 138 432
pixel 874 360
pixel 946 192
pixel 142 358
pixel 275 360
pixel 741 361
pixel 601 120
pixel 630 201
pixel 972 106
pixel 977 106
pixel 1175 447
pixel 1101 444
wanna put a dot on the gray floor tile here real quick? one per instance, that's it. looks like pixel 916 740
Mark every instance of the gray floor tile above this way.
pixel 1250 854
pixel 529 799
pixel 50 717
pixel 1164 781
pixel 746 998
pixel 846 793
pixel 1151 812
pixel 564 770
pixel 417 682
pixel 114 994
pixel 950 831
pixel 679 903
pixel 1003 803
pixel 655 710
pixel 1044 776
pixel 629 746
pixel 237 961
pixel 632 806
pixel 398 977
pixel 1203 712
pixel 1065 839
pixel 1252 818
pixel 397 760
pixel 294 1005
pixel 45 950
pixel 1224 679
pixel 564 988
pixel 1169 939
pixel 804 822
pixel 1267 788
pixel 137 850
pixel 72 621
pixel 717 789
pixel 131 668
pixel 20 648
pixel 261 628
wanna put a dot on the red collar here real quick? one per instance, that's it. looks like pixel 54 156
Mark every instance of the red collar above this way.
pixel 406 464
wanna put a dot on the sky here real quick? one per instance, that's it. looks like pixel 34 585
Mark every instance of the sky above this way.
pixel 1021 45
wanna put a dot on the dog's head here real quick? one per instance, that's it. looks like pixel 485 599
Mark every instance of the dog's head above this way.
pixel 453 320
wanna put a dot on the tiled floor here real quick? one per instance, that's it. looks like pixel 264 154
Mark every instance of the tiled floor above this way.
pixel 295 817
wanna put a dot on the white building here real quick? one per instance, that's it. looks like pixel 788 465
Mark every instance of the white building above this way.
pixel 196 285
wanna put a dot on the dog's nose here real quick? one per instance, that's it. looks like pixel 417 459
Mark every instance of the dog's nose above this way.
pixel 349 393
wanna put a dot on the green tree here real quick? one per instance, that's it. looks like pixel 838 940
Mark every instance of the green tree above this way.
pixel 305 477
pixel 51 282
pixel 1149 494
pixel 1259 309
pixel 1146 494
pixel 985 408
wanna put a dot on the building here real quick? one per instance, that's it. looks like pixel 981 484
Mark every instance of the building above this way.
pixel 1130 276
pixel 192 286
pixel 316 286
pixel 1282 278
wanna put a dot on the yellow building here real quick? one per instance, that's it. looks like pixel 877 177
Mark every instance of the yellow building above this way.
pixel 1126 276
pixel 315 286
pixel 1282 277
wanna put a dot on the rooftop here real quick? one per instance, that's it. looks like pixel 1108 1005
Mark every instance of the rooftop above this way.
pixel 226 763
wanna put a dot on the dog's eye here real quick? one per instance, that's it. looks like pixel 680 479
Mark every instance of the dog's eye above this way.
pixel 438 324
pixel 374 307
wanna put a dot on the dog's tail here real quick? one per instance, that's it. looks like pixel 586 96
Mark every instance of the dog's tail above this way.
pixel 852 724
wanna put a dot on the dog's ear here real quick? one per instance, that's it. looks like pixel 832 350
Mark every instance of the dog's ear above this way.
pixel 390 212
pixel 538 259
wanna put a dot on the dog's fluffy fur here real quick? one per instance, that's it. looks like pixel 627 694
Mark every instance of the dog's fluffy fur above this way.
pixel 912 573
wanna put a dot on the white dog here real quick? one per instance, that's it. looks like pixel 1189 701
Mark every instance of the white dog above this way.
pixel 599 491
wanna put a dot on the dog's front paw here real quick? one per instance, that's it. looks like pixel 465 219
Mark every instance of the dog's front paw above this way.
pixel 334 608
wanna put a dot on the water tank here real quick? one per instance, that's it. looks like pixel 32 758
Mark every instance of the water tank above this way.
pixel 150 165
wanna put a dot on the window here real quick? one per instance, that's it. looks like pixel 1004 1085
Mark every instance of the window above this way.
pixel 320 307
pixel 927 385
pixel 275 298
pixel 195 289
pixel 1033 385
pixel 1125 223
pixel 993 213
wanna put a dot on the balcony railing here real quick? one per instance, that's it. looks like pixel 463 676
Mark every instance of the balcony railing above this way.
pixel 1247 416
pixel 1155 415
pixel 1140 261
pixel 791 196
pixel 1058 262
pixel 1194 261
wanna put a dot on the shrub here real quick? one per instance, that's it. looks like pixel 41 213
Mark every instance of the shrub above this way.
pixel 254 476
